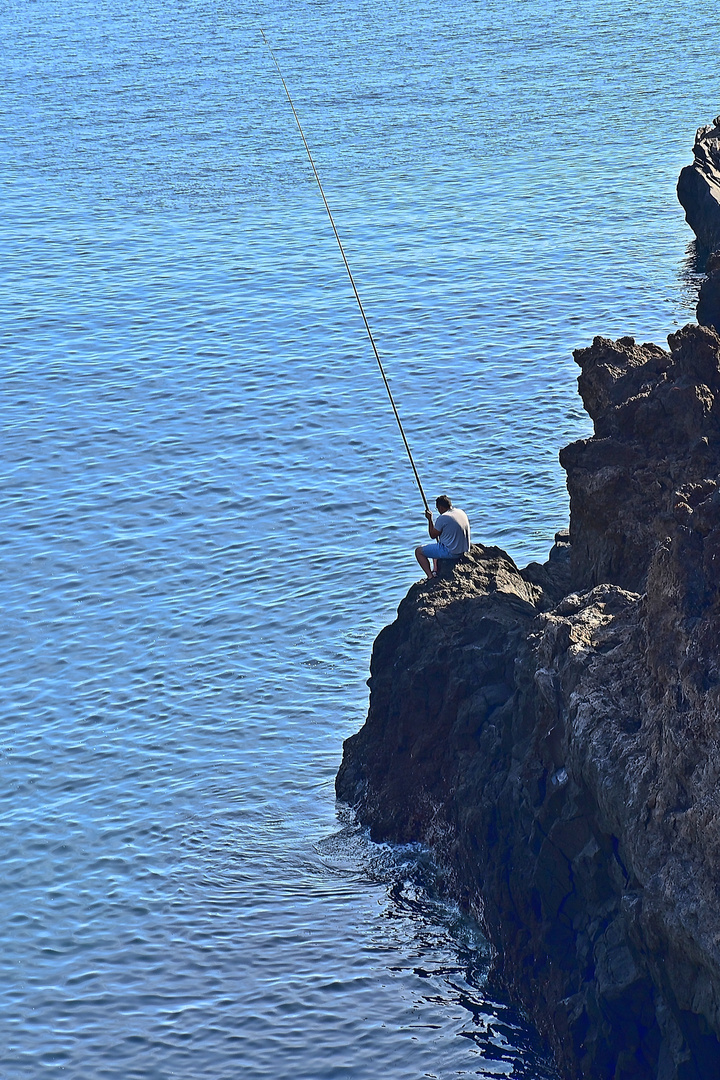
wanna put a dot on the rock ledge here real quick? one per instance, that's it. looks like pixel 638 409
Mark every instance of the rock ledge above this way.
pixel 554 732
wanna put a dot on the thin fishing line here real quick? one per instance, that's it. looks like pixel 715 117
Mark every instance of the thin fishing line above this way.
pixel 349 273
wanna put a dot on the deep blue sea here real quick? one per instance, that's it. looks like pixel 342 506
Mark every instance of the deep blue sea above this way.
pixel 207 512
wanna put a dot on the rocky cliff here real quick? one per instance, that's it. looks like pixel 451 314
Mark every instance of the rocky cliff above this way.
pixel 698 188
pixel 554 732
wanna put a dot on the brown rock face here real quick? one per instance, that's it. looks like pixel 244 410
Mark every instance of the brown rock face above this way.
pixel 656 427
pixel 554 732
pixel 698 187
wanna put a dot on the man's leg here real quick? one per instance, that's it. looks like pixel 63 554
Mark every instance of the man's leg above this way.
pixel 424 561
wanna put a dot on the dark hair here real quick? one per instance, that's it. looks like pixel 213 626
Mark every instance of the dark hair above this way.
pixel 443 503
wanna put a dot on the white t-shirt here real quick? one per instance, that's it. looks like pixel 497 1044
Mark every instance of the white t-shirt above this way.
pixel 454 529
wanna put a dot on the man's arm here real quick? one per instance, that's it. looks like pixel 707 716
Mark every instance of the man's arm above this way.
pixel 434 533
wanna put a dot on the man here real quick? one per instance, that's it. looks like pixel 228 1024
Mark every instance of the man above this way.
pixel 451 532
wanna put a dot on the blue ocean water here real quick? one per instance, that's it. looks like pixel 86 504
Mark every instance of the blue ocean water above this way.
pixel 207 515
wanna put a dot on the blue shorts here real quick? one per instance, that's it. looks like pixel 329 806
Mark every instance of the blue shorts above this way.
pixel 438 551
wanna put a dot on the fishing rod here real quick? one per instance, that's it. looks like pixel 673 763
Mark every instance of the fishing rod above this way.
pixel 349 273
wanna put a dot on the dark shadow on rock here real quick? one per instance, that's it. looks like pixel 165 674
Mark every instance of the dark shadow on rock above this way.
pixel 708 307
pixel 698 189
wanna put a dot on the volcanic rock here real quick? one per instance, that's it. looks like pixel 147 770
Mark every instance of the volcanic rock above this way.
pixel 698 188
pixel 553 733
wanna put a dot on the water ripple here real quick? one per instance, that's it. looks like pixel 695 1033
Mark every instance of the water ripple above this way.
pixel 207 515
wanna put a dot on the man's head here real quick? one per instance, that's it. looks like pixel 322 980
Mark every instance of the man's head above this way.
pixel 443 504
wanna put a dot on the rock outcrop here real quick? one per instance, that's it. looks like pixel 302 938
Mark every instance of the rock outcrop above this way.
pixel 698 188
pixel 708 307
pixel 554 732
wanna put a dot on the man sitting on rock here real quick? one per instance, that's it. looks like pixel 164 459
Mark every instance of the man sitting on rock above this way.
pixel 451 532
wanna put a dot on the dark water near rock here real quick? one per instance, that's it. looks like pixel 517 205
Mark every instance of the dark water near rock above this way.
pixel 206 511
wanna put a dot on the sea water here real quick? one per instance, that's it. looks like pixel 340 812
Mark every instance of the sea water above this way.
pixel 207 512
